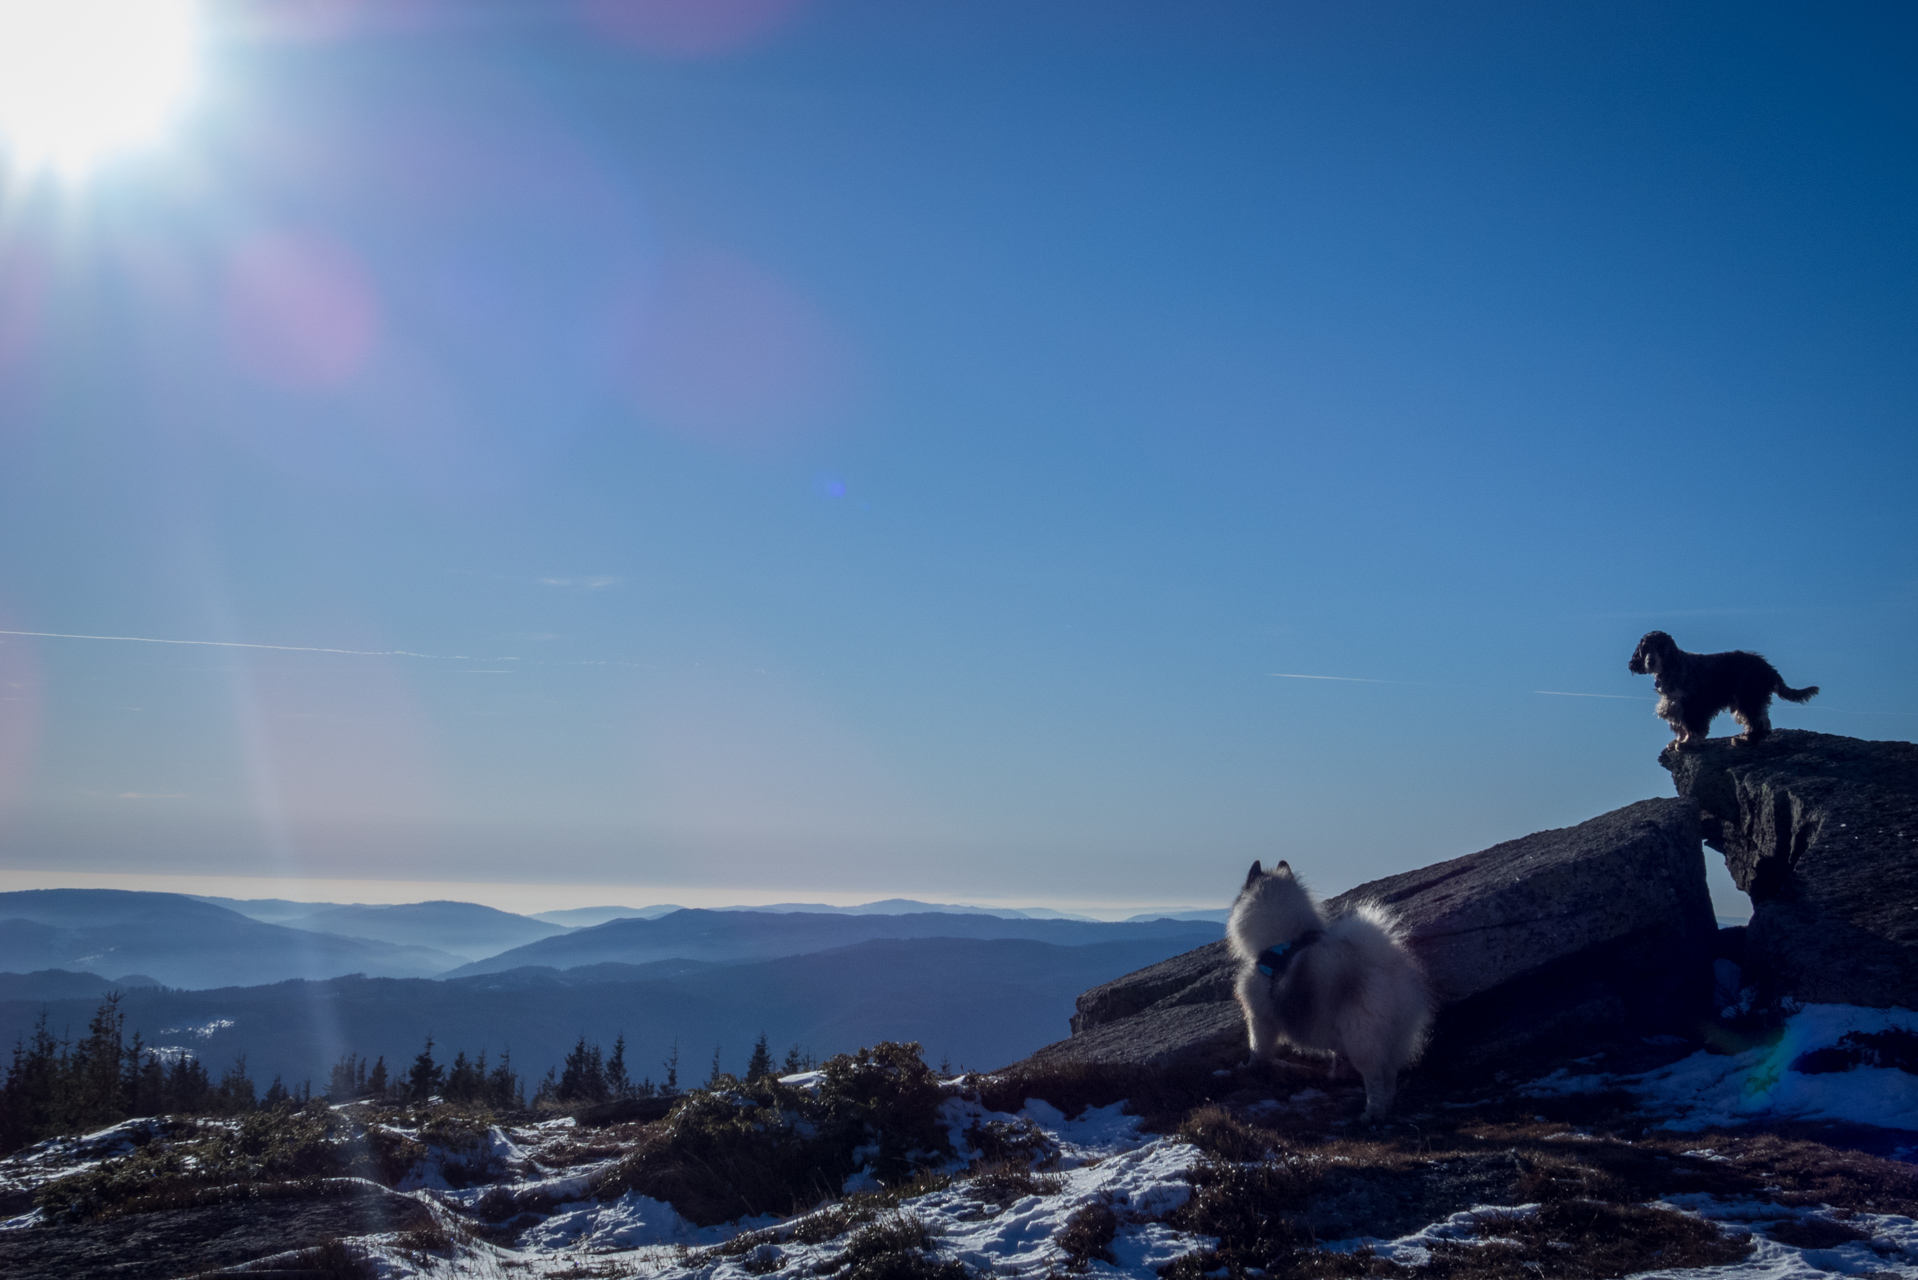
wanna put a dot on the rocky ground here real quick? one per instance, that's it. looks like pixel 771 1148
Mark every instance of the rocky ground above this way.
pixel 1790 1157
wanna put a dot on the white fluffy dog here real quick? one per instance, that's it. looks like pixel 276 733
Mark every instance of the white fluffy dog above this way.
pixel 1347 987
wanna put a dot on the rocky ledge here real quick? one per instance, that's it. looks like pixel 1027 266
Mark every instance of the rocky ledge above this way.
pixel 1605 930
pixel 1822 832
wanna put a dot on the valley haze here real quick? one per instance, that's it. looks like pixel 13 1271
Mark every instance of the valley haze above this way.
pixel 274 980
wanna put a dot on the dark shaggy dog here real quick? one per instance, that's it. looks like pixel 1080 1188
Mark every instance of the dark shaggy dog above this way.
pixel 1694 687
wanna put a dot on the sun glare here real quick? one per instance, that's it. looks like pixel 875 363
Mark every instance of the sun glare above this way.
pixel 83 79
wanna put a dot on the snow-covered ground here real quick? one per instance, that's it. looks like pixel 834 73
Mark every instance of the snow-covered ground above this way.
pixel 1100 1157
pixel 1707 1090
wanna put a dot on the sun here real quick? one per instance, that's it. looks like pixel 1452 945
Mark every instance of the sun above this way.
pixel 83 79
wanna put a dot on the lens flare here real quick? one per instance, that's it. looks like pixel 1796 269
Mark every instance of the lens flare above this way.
pixel 83 79
pixel 301 311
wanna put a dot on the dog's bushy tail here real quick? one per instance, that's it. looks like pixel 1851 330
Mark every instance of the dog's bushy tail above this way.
pixel 1805 694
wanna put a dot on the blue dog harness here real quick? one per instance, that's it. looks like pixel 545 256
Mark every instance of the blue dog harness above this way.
pixel 1273 960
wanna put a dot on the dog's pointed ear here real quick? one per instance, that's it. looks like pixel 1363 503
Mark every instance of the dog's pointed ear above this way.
pixel 1283 866
pixel 1253 875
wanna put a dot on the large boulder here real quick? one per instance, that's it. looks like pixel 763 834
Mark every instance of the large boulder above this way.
pixel 1821 831
pixel 1600 929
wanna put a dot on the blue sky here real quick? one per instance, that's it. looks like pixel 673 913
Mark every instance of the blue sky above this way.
pixel 859 448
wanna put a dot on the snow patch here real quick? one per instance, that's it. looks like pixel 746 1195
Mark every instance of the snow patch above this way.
pixel 1415 1250
pixel 1891 1246
pixel 631 1222
pixel 1707 1090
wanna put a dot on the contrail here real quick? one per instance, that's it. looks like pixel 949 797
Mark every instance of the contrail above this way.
pixel 1290 675
pixel 1559 693
pixel 280 648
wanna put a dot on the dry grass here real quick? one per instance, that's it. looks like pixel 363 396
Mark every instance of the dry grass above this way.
pixel 1009 1142
pixel 1161 1096
pixel 1088 1235
pixel 281 1153
pixel 1214 1130
pixel 1002 1184
pixel 895 1248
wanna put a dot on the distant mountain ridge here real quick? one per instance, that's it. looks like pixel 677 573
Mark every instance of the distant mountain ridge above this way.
pixel 182 942
pixel 750 935
pixel 465 929
pixel 586 917
pixel 982 1002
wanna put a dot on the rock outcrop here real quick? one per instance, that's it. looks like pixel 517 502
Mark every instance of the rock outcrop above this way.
pixel 1822 832
pixel 1599 929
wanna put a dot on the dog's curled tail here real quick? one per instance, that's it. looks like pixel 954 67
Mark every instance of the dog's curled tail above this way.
pixel 1805 694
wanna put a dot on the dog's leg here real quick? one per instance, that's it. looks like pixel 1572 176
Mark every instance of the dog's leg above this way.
pixel 1757 721
pixel 1261 1020
pixel 1381 1084
pixel 1698 726
pixel 1669 712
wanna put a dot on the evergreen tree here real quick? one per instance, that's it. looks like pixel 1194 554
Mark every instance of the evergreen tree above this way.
pixel 29 1098
pixel 672 1068
pixel 426 1077
pixel 502 1086
pixel 188 1089
pixel 582 1078
pixel 760 1065
pixel 617 1083
pixel 716 1075
pixel 376 1083
pixel 276 1093
pixel 466 1081
pixel 235 1093
pixel 143 1083
pixel 793 1064
pixel 95 1090
pixel 346 1079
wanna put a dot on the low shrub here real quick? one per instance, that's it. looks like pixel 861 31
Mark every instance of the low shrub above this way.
pixel 1088 1235
pixel 299 1145
pixel 1253 1209
pixel 336 1260
pixel 1012 1142
pixel 832 1222
pixel 1001 1184
pixel 895 1249
pixel 1213 1130
pixel 743 1148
